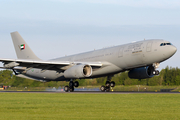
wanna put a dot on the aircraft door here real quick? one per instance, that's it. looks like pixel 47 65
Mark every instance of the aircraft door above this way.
pixel 149 47
pixel 120 52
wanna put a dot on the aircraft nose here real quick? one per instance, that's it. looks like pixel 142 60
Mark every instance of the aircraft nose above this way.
pixel 170 51
pixel 173 49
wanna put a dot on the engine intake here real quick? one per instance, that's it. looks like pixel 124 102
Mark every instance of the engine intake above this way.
pixel 141 73
pixel 78 71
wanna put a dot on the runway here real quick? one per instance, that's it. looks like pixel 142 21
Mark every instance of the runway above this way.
pixel 90 92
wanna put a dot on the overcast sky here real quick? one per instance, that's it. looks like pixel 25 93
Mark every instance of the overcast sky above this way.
pixel 55 28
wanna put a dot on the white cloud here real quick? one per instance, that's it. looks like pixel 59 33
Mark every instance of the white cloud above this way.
pixel 133 3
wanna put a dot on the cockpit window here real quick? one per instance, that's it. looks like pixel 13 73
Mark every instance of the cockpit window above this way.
pixel 168 43
pixel 163 44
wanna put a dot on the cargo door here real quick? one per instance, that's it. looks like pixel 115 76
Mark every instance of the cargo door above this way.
pixel 149 47
pixel 120 52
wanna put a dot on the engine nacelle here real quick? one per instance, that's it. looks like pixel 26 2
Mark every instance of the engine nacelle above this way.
pixel 141 73
pixel 78 71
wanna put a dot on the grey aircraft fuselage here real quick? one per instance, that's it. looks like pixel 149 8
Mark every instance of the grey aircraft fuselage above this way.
pixel 114 59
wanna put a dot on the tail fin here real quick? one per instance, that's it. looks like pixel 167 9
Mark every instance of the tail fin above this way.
pixel 23 51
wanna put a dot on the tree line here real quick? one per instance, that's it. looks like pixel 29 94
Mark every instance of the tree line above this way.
pixel 167 77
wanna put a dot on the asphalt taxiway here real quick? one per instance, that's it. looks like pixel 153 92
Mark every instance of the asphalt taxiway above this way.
pixel 90 92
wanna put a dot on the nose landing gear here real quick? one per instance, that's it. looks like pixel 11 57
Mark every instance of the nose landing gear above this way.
pixel 156 72
pixel 155 65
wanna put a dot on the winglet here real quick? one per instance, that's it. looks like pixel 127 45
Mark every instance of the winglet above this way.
pixel 23 51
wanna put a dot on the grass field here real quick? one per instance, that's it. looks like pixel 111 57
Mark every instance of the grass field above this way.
pixel 53 106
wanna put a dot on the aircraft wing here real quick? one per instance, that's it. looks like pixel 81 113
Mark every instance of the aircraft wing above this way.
pixel 44 65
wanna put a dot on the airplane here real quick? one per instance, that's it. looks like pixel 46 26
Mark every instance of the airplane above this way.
pixel 140 58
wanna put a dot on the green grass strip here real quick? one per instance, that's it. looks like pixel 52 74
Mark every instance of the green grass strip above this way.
pixel 66 106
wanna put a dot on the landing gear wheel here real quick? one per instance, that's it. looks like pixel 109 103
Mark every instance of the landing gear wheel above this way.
pixel 112 84
pixel 71 84
pixel 108 84
pixel 102 88
pixel 157 72
pixel 76 84
pixel 107 89
pixel 71 89
pixel 66 88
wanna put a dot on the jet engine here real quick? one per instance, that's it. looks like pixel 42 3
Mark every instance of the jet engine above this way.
pixel 78 71
pixel 142 73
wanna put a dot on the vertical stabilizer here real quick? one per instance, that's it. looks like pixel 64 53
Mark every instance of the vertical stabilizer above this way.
pixel 23 51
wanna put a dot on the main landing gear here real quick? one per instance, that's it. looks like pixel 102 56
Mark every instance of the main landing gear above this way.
pixel 108 84
pixel 71 86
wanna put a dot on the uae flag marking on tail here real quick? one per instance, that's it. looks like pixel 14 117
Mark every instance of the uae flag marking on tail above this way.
pixel 22 46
